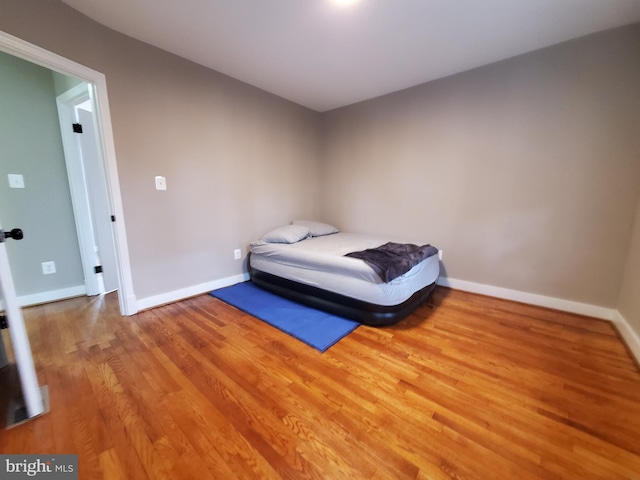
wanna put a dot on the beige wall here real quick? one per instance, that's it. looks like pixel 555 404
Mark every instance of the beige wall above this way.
pixel 629 305
pixel 525 172
pixel 238 161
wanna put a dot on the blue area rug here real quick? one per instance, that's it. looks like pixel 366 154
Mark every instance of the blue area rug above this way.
pixel 314 327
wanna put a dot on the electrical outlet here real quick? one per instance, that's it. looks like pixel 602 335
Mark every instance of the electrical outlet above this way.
pixel 15 180
pixel 237 254
pixel 161 183
pixel 48 268
pixel 440 254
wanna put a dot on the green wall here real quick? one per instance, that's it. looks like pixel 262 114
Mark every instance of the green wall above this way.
pixel 31 145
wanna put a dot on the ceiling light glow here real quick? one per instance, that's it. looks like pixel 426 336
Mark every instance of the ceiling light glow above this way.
pixel 344 3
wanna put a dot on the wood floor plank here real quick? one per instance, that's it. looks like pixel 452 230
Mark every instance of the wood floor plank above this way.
pixel 111 466
pixel 476 388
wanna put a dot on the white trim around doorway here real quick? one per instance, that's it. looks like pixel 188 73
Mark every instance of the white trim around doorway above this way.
pixel 32 53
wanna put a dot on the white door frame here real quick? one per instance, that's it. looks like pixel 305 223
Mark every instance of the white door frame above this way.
pixel 32 53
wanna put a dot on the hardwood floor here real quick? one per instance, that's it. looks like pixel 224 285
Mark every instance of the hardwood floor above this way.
pixel 475 388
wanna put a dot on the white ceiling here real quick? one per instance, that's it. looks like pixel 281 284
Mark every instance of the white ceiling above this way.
pixel 323 56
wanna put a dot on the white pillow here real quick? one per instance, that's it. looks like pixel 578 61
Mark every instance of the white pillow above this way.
pixel 317 229
pixel 286 234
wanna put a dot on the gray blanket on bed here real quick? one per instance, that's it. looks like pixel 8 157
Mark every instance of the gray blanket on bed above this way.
pixel 394 259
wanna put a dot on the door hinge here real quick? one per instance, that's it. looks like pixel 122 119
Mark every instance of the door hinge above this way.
pixel 98 268
pixel 3 322
pixel 77 128
pixel 113 218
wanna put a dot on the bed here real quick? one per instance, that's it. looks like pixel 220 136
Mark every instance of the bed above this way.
pixel 307 262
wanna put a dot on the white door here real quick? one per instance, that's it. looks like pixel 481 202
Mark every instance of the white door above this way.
pixel 98 199
pixel 88 187
pixel 18 332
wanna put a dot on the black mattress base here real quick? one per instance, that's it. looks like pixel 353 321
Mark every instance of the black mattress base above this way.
pixel 343 306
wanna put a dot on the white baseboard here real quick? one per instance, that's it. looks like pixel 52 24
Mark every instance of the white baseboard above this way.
pixel 631 338
pixel 168 297
pixel 530 298
pixel 50 296
pixel 629 335
pixel 499 292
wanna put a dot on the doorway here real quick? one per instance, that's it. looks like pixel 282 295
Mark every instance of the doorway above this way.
pixel 106 163
pixel 97 82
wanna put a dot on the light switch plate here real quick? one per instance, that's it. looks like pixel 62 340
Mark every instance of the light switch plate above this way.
pixel 161 183
pixel 16 180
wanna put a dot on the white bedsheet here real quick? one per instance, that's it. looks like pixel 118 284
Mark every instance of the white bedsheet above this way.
pixel 320 262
